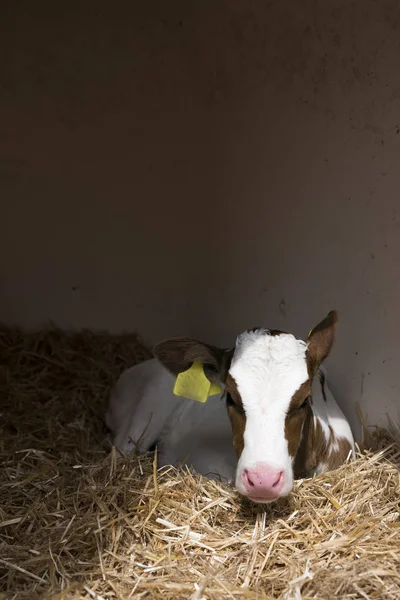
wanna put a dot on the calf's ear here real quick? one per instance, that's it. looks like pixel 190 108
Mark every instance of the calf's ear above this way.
pixel 177 355
pixel 320 341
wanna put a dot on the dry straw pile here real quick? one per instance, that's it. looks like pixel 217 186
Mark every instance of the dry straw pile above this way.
pixel 77 522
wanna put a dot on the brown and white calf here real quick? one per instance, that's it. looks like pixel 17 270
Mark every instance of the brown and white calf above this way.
pixel 275 420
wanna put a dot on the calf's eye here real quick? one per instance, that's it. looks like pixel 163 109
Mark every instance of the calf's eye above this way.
pixel 236 405
pixel 229 400
pixel 305 403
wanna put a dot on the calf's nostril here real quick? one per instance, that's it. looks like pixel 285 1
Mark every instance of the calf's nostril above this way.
pixel 248 478
pixel 278 479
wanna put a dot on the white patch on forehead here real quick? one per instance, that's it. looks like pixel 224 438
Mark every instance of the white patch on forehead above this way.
pixel 268 369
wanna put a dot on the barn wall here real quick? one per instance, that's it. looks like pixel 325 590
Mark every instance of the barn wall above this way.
pixel 103 151
pixel 205 167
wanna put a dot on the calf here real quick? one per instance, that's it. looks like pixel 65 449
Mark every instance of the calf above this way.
pixel 273 421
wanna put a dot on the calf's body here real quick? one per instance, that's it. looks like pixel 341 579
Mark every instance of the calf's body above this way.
pixel 274 421
pixel 143 412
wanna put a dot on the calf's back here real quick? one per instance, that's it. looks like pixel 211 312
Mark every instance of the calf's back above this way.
pixel 143 412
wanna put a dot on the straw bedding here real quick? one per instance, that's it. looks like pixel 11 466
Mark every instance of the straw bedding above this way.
pixel 78 522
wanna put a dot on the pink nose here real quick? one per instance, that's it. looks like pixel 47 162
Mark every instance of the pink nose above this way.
pixel 263 483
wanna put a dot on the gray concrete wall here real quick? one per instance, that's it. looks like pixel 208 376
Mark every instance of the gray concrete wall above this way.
pixel 203 167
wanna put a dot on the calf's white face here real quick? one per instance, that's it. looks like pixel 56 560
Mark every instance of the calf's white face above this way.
pixel 268 370
pixel 267 381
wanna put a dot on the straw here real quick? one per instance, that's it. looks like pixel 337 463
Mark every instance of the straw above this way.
pixel 78 522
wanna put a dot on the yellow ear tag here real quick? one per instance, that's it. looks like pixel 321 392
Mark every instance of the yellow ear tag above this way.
pixel 194 385
pixel 309 333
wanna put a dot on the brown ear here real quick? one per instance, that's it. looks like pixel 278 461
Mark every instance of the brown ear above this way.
pixel 177 354
pixel 320 341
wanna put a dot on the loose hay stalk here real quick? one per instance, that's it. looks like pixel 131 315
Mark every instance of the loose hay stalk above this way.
pixel 78 522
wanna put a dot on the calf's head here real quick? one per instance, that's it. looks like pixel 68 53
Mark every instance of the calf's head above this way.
pixel 267 381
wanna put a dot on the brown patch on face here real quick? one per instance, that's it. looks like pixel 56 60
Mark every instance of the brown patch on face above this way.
pixel 298 413
pixel 300 396
pixel 293 427
pixel 307 442
pixel 313 446
pixel 236 414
